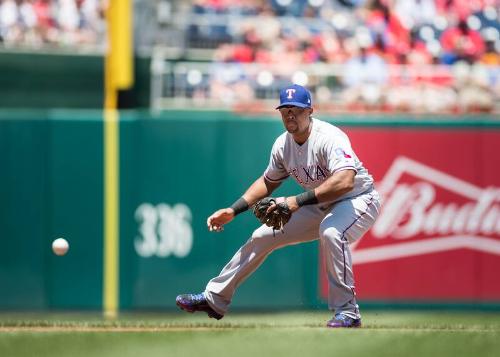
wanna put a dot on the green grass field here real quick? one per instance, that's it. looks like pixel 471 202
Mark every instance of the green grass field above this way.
pixel 243 334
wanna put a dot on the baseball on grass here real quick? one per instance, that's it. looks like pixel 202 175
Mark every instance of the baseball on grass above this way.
pixel 60 246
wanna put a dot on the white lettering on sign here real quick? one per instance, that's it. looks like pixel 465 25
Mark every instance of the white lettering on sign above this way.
pixel 164 230
pixel 415 221
pixel 412 210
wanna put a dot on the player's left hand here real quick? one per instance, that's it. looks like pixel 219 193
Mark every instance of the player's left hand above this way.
pixel 290 201
pixel 273 212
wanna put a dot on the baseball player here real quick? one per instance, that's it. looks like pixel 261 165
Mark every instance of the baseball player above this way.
pixel 338 206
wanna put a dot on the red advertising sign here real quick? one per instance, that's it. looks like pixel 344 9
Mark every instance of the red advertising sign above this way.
pixel 438 234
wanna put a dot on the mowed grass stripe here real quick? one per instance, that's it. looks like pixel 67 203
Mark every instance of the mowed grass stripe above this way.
pixel 296 342
pixel 405 322
pixel 295 334
pixel 112 329
pixel 391 319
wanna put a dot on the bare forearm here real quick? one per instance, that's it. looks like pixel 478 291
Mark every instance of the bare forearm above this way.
pixel 335 186
pixel 258 190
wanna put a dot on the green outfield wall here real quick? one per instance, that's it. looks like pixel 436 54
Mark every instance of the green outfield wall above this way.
pixel 175 170
pixel 59 80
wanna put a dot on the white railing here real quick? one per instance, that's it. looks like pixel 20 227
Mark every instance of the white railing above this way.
pixel 433 89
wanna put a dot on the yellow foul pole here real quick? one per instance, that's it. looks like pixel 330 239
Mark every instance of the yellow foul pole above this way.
pixel 118 75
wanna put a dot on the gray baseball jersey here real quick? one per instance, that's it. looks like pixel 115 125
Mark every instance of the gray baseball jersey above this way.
pixel 327 150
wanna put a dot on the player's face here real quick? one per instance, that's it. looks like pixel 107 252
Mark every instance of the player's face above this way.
pixel 295 119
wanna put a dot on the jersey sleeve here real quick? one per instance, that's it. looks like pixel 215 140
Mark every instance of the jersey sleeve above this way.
pixel 339 155
pixel 276 171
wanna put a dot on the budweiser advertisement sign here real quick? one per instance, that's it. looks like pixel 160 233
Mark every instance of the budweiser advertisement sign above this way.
pixel 438 234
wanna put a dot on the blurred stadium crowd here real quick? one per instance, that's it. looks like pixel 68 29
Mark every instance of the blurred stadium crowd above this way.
pixel 56 23
pixel 396 55
pixel 399 31
pixel 417 55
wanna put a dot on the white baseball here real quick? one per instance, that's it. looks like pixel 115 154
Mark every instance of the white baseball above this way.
pixel 60 246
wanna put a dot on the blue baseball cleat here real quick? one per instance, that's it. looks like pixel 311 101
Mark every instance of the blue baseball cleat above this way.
pixel 196 302
pixel 341 320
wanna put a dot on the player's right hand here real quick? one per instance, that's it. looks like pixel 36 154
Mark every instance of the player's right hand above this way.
pixel 218 219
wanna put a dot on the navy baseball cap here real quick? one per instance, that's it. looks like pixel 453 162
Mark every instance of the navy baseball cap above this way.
pixel 295 95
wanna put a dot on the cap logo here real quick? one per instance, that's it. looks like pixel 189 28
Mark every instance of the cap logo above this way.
pixel 290 93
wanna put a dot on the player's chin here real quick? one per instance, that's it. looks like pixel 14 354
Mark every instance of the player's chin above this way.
pixel 291 128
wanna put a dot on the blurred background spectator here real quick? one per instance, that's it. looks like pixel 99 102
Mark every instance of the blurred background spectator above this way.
pixel 460 42
pixel 365 76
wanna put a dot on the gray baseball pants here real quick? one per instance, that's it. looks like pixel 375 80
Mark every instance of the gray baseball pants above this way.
pixel 336 227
